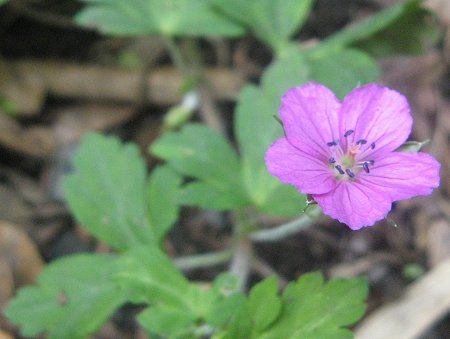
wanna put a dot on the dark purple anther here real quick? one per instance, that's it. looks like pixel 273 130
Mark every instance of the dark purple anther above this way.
pixel 366 167
pixel 349 132
pixel 372 145
pixel 339 168
pixel 361 142
pixel 350 173
pixel 332 143
pixel 371 162
pixel 332 160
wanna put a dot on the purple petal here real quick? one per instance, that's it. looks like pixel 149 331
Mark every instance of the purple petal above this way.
pixel 310 118
pixel 377 115
pixel 404 175
pixel 291 166
pixel 354 204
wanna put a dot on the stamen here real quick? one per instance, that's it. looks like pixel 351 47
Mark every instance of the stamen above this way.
pixel 372 145
pixel 349 132
pixel 371 162
pixel 350 173
pixel 366 167
pixel 339 168
pixel 361 142
pixel 332 143
pixel 332 160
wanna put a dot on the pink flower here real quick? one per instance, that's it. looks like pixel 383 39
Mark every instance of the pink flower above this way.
pixel 343 153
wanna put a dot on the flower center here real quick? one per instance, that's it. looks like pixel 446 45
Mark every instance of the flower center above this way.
pixel 348 161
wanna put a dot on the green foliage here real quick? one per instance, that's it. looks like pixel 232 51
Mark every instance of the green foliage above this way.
pixel 199 152
pixel 343 70
pixel 256 128
pixel 402 28
pixel 177 308
pixel 308 308
pixel 165 17
pixel 272 21
pixel 411 33
pixel 264 304
pixel 75 296
pixel 112 196
pixel 108 194
pixel 163 207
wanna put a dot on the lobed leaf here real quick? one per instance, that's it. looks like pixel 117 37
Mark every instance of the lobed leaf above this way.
pixel 165 17
pixel 199 152
pixel 177 307
pixel 272 21
pixel 308 308
pixel 314 309
pixel 107 193
pixel 74 297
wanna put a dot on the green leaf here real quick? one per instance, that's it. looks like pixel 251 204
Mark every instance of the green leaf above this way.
pixel 412 33
pixel 272 21
pixel 167 320
pixel 166 17
pixel 227 298
pixel 264 303
pixel 308 308
pixel 199 152
pixel 314 309
pixel 256 128
pixel 74 298
pixel 152 277
pixel 402 28
pixel 177 307
pixel 163 192
pixel 261 309
pixel 284 200
pixel 343 70
pixel 2 2
pixel 107 192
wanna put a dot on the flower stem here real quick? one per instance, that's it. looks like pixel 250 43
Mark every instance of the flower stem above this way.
pixel 203 260
pixel 287 229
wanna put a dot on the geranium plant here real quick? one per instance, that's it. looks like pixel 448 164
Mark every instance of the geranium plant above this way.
pixel 340 153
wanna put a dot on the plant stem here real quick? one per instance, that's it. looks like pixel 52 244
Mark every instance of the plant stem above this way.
pixel 190 65
pixel 203 260
pixel 285 230
pixel 176 55
pixel 241 264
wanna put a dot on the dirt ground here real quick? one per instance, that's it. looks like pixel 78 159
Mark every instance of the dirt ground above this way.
pixel 56 72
